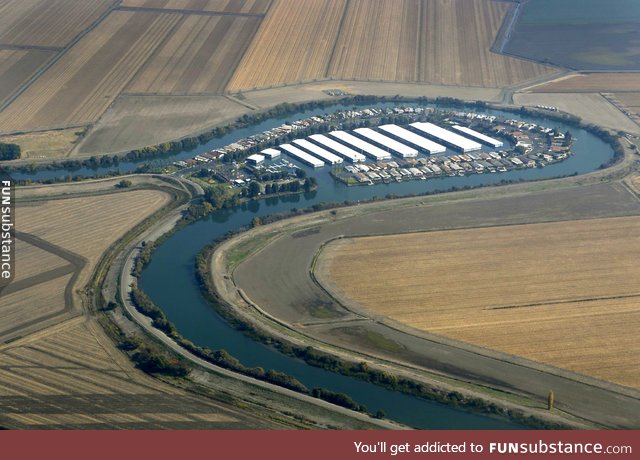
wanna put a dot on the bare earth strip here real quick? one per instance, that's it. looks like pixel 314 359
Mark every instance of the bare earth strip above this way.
pixel 91 74
pixel 564 293
pixel 199 57
pixel 16 66
pixel 47 22
pixel 593 83
pixel 294 43
pixel 227 6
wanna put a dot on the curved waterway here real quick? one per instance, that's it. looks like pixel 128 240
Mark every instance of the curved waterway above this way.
pixel 170 277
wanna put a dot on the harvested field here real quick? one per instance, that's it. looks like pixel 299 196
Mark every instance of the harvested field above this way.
pixel 91 74
pixel 226 6
pixel 628 102
pixel 16 66
pixel 379 41
pixel 430 41
pixel 88 225
pixel 32 260
pixel 199 57
pixel 592 83
pixel 563 293
pixel 138 121
pixel 20 308
pixel 51 23
pixel 294 43
pixel 74 378
pixel 45 144
pixel 592 108
pixel 456 45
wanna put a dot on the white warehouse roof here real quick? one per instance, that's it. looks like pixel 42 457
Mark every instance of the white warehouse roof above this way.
pixel 256 158
pixel 453 139
pixel 479 136
pixel 298 154
pixel 366 148
pixel 401 149
pixel 342 150
pixel 321 153
pixel 414 139
pixel 271 153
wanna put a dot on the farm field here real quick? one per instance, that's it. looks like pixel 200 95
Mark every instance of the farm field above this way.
pixel 91 74
pixel 592 83
pixel 32 260
pixel 505 288
pixel 426 41
pixel 20 308
pixel 88 225
pixel 16 66
pixel 379 41
pixel 294 43
pixel 226 6
pixel 199 57
pixel 48 23
pixel 45 144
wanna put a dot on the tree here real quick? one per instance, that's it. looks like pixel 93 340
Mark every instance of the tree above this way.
pixel 254 189
pixel 124 183
pixel 9 151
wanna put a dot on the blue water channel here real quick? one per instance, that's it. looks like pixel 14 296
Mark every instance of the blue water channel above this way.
pixel 170 277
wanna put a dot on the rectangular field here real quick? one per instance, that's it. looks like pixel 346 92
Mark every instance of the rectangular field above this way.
pixel 199 57
pixel 294 43
pixel 379 41
pixel 45 144
pixel 51 23
pixel 79 87
pixel 563 293
pixel 226 6
pixel 16 66
pixel 443 42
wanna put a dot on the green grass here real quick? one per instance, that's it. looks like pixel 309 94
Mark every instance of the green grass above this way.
pixel 241 251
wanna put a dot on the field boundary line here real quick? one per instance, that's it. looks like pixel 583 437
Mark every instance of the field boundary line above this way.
pixel 345 13
pixel 148 9
pixel 9 46
pixel 22 88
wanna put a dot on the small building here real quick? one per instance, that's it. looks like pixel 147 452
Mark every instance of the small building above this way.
pixel 270 153
pixel 255 159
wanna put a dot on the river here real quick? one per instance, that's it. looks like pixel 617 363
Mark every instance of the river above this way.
pixel 170 277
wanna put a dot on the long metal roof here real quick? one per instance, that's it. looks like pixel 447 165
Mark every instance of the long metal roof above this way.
pixel 403 150
pixel 479 136
pixel 342 150
pixel 414 139
pixel 321 153
pixel 302 156
pixel 366 148
pixel 456 140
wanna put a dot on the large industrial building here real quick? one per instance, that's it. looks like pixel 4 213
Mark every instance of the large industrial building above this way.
pixel 304 157
pixel 319 152
pixel 412 138
pixel 453 140
pixel 392 145
pixel 491 142
pixel 342 150
pixel 369 150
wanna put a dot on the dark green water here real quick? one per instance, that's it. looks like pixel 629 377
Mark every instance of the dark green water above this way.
pixel 170 282
pixel 579 34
